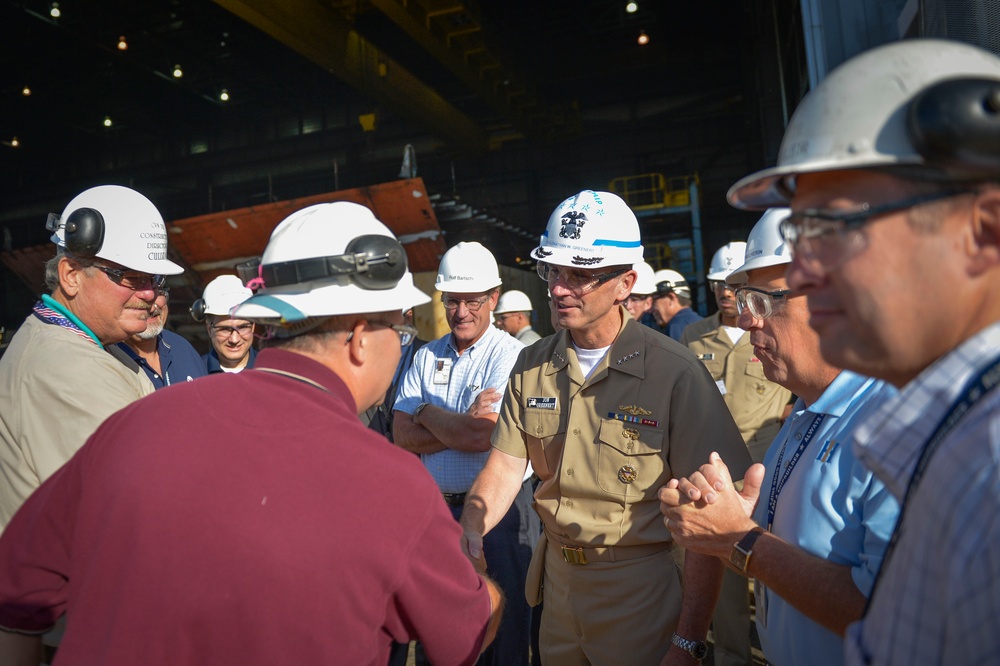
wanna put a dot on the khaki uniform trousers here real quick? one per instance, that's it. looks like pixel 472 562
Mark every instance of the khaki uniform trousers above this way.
pixel 609 613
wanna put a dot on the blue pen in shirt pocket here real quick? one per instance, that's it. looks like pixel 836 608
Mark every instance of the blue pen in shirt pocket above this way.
pixel 826 452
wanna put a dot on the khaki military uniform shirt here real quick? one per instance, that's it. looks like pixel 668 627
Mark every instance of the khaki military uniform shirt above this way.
pixel 756 403
pixel 55 389
pixel 604 446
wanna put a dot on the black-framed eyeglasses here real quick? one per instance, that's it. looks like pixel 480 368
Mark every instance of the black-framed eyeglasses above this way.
pixel 225 332
pixel 133 280
pixel 760 302
pixel 471 304
pixel 577 281
pixel 825 238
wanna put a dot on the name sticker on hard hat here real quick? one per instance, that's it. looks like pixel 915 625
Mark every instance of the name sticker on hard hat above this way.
pixel 442 370
pixel 542 403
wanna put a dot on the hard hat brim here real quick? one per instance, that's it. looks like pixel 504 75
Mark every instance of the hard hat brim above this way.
pixel 739 276
pixel 332 300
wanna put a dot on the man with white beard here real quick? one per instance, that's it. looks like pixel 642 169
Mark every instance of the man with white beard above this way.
pixel 165 356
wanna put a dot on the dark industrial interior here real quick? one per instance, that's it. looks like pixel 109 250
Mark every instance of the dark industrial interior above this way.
pixel 508 107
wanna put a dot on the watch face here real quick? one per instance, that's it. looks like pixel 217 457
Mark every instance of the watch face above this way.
pixel 739 559
pixel 699 651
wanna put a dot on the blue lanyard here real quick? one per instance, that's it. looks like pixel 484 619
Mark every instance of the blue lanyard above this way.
pixel 974 391
pixel 776 484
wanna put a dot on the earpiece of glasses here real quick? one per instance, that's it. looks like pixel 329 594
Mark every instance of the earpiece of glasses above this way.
pixel 132 279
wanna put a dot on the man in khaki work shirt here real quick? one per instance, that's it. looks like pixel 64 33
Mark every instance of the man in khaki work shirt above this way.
pixel 757 406
pixel 62 374
pixel 606 410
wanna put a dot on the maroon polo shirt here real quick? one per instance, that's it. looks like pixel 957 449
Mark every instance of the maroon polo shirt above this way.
pixel 245 519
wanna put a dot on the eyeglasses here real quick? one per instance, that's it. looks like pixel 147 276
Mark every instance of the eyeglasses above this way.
pixel 760 302
pixel 472 304
pixel 577 281
pixel 225 332
pixel 407 334
pixel 719 287
pixel 824 239
pixel 132 279
pixel 637 298
pixel 504 316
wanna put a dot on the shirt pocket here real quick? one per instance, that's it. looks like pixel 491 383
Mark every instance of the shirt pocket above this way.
pixel 630 459
pixel 544 433
pixel 756 385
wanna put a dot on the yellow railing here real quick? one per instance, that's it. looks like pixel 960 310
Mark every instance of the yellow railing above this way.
pixel 654 190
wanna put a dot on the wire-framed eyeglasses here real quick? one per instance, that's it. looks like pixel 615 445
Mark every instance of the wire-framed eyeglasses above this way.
pixel 760 302
pixel 471 304
pixel 576 280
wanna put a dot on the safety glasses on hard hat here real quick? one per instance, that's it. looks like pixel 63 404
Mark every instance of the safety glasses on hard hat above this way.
pixel 823 238
pixel 577 281
pixel 132 279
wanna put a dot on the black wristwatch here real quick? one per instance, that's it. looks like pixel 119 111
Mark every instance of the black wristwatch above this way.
pixel 416 412
pixel 743 549
pixel 697 649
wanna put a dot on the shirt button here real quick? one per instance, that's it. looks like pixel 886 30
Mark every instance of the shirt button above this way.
pixel 798 436
pixel 538 430
pixel 569 472
pixel 569 502
pixel 576 431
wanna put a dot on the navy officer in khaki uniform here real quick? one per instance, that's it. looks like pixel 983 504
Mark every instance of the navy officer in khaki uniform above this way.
pixel 607 410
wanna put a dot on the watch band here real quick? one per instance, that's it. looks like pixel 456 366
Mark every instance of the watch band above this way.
pixel 416 412
pixel 743 549
pixel 697 649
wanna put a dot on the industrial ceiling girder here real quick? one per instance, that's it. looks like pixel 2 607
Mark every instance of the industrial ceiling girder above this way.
pixel 464 50
pixel 319 34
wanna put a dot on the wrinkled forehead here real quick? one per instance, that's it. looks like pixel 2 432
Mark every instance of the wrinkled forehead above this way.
pixel 771 277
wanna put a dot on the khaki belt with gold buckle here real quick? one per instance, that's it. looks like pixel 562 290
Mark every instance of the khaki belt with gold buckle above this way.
pixel 574 555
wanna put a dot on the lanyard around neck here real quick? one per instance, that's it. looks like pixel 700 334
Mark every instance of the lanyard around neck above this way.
pixel 975 390
pixel 776 484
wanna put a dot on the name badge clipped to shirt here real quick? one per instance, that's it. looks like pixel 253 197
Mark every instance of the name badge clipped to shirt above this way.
pixel 442 370
pixel 542 403
pixel 722 386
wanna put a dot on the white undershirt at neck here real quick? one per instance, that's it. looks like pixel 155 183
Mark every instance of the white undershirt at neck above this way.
pixel 589 358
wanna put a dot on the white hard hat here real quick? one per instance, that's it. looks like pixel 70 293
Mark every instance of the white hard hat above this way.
pixel 765 246
pixel 513 301
pixel 114 223
pixel 591 230
pixel 645 283
pixel 223 294
pixel 668 281
pixel 331 259
pixel 917 103
pixel 725 259
pixel 467 268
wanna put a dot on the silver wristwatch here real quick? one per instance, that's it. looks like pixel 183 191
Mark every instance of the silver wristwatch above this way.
pixel 697 649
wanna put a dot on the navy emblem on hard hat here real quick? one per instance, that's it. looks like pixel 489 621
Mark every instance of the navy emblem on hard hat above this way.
pixel 572 223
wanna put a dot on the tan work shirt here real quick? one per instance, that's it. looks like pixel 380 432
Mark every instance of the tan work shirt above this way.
pixel 604 446
pixel 55 389
pixel 756 403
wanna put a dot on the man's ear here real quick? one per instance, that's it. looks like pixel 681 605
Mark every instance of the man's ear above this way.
pixel 984 240
pixel 359 344
pixel 70 276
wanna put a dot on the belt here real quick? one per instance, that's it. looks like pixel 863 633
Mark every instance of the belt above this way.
pixel 574 554
pixel 454 499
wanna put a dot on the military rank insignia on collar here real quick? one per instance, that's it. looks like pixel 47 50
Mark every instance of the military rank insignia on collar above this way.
pixel 558 357
pixel 628 357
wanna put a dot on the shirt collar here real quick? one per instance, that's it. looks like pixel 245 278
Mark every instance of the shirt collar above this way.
pixel 625 355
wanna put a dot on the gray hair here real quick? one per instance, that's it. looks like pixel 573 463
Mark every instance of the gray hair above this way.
pixel 52 268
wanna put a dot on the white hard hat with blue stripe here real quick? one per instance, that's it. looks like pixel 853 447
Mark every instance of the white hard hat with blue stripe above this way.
pixel 591 230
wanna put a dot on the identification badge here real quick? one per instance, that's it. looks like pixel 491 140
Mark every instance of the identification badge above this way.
pixel 706 357
pixel 442 370
pixel 722 386
pixel 542 403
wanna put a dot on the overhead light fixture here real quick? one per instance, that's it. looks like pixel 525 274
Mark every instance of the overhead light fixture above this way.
pixel 26 91
pixel 643 38
pixel 14 143
pixel 122 44
pixel 107 121
pixel 631 8
pixel 224 95
pixel 178 72
pixel 54 11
